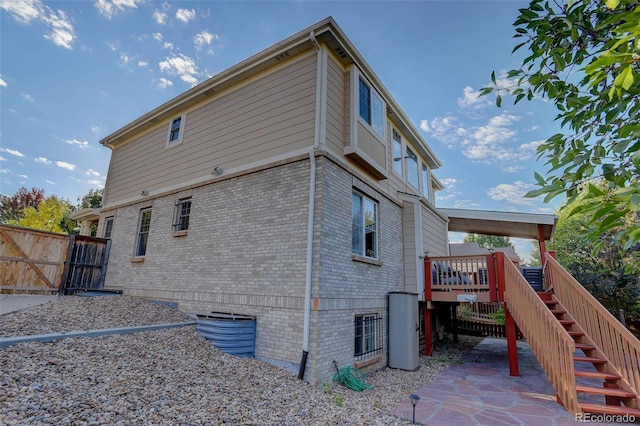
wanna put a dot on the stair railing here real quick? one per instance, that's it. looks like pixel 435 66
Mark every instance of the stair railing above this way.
pixel 619 346
pixel 548 339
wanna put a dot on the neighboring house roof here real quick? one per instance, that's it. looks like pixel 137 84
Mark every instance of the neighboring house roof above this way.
pixel 505 224
pixel 472 249
pixel 325 31
pixel 86 214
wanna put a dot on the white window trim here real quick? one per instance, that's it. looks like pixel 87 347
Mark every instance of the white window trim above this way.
pixel 426 185
pixel 419 172
pixel 355 89
pixel 363 256
pixel 402 151
pixel 178 141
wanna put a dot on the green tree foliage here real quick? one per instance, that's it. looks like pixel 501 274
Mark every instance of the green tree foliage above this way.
pixel 92 199
pixel 584 58
pixel 603 271
pixel 12 207
pixel 488 240
pixel 52 214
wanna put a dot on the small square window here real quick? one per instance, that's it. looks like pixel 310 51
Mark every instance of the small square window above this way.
pixel 181 215
pixel 367 335
pixel 176 130
pixel 143 232
pixel 108 227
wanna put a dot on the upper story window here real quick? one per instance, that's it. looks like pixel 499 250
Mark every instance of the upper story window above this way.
pixel 176 129
pixel 181 215
pixel 426 182
pixel 372 108
pixel 412 169
pixel 143 232
pixel 364 220
pixel 397 152
pixel 108 227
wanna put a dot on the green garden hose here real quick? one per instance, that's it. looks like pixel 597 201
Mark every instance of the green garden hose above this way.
pixel 351 377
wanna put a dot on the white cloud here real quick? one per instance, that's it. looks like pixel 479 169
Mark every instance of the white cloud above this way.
pixel 186 15
pixel 12 152
pixel 512 169
pixel 113 46
pixel 62 33
pixel 204 38
pixel 511 193
pixel 27 97
pixel 159 17
pixel 142 64
pixel 43 160
pixel 80 144
pixel 4 171
pixel 449 182
pixel 472 99
pixel 531 147
pixel 92 172
pixel 2 82
pixel 164 83
pixel 23 176
pixel 182 66
pixel 50 182
pixel 65 165
pixel 2 158
pixel 124 58
pixel 157 36
pixel 95 129
pixel 110 8
pixel 23 11
pixel 95 182
pixel 167 46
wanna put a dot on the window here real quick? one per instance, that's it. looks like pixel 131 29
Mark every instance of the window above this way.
pixel 364 219
pixel 143 232
pixel 426 182
pixel 108 227
pixel 412 169
pixel 176 129
pixel 397 153
pixel 181 216
pixel 368 335
pixel 372 108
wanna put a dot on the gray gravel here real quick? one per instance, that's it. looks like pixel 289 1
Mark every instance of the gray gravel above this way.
pixel 173 377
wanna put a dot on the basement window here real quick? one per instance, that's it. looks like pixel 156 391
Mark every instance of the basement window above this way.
pixel 367 336
pixel 364 226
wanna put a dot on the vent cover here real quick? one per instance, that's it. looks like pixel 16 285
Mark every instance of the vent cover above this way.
pixel 340 52
pixel 282 56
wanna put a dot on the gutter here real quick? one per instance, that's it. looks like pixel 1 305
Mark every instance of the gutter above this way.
pixel 319 134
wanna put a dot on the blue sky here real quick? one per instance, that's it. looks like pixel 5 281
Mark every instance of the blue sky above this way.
pixel 72 72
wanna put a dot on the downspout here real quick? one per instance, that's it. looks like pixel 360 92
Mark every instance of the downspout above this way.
pixel 312 204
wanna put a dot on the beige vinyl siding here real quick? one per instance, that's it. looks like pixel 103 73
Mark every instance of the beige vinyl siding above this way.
pixel 409 241
pixel 434 233
pixel 371 145
pixel 337 111
pixel 267 117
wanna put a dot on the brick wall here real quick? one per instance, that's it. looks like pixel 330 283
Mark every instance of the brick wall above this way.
pixel 244 253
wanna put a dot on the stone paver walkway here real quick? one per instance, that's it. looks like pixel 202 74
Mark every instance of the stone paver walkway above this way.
pixel 480 392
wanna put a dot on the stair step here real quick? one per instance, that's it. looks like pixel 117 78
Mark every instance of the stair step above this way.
pixel 590 359
pixel 576 333
pixel 619 393
pixel 567 322
pixel 558 311
pixel 585 347
pixel 597 375
pixel 609 409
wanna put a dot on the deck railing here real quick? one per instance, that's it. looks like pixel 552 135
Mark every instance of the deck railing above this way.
pixel 618 345
pixel 549 341
pixel 446 278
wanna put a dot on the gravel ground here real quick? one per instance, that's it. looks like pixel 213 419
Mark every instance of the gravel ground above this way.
pixel 173 377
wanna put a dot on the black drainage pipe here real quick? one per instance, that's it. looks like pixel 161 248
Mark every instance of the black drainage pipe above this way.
pixel 303 364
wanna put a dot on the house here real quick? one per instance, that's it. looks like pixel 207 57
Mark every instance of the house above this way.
pixel 291 187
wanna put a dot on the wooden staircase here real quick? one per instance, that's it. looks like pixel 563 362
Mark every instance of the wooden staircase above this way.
pixel 594 373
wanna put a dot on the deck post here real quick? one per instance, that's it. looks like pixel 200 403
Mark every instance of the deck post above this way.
pixel 541 243
pixel 428 344
pixel 512 349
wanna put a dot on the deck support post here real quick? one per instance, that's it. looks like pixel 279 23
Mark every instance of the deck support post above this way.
pixel 512 349
pixel 541 243
pixel 428 343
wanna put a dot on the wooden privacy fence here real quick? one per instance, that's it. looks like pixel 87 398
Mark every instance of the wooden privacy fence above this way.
pixel 38 261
